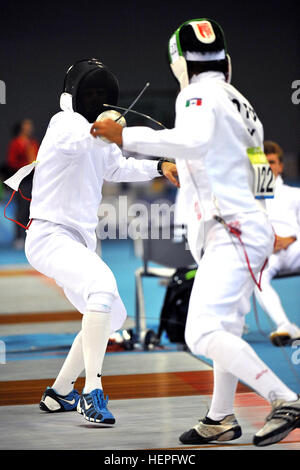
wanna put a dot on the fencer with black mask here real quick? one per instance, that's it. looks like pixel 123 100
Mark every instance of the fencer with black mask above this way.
pixel 61 240
pixel 224 175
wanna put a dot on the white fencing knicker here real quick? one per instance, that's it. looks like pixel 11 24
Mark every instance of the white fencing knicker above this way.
pixel 60 253
pixel 223 284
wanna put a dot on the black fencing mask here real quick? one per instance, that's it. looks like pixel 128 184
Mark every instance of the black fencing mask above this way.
pixel 91 84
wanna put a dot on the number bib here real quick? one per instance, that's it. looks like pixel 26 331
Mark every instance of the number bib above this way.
pixel 264 180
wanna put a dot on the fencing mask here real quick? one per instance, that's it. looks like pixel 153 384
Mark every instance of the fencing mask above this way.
pixel 198 46
pixel 88 85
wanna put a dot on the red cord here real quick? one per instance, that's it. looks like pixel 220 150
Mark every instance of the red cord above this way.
pixel 13 220
pixel 237 233
pixel 24 197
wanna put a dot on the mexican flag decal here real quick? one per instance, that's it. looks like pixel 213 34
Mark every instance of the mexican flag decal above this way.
pixel 194 102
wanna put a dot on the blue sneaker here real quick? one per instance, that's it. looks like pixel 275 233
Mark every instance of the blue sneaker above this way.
pixel 52 402
pixel 93 407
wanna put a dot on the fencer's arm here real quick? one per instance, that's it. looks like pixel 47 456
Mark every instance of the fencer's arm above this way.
pixel 188 140
pixel 120 169
pixel 181 143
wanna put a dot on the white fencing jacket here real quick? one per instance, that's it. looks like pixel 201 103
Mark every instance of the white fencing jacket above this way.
pixel 284 209
pixel 214 127
pixel 72 166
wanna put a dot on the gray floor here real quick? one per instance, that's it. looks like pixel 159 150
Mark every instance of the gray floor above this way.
pixel 142 424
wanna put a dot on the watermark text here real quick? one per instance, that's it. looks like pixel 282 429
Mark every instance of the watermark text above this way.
pixel 296 93
pixel 2 92
pixel 296 352
pixel 2 352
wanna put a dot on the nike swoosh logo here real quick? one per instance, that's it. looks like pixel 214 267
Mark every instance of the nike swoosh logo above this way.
pixel 71 402
pixel 87 407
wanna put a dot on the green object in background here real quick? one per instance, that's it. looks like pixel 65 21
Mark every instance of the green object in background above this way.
pixel 190 274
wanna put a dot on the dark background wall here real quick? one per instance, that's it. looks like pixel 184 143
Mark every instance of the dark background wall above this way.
pixel 40 40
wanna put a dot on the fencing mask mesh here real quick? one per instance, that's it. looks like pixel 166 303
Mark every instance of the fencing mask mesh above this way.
pixel 91 84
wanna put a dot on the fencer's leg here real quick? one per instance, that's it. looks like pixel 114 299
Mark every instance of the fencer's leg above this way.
pixel 62 396
pixel 71 369
pixel 238 358
pixel 95 336
pixel 223 393
pixel 225 383
pixel 212 316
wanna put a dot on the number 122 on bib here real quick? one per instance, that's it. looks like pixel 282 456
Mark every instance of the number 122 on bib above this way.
pixel 264 180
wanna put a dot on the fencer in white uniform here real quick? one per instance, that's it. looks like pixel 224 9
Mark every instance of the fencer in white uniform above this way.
pixel 217 142
pixel 284 213
pixel 61 240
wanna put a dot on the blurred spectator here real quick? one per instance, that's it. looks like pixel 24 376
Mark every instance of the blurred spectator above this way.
pixel 22 150
pixel 284 213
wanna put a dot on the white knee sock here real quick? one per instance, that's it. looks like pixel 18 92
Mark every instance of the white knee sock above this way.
pixel 223 394
pixel 95 335
pixel 238 358
pixel 71 369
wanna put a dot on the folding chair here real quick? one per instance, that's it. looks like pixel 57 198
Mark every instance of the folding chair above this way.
pixel 170 254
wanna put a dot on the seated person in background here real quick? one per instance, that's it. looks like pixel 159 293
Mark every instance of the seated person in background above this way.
pixel 284 213
pixel 22 150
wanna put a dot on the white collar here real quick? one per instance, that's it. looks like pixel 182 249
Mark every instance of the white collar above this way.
pixel 211 75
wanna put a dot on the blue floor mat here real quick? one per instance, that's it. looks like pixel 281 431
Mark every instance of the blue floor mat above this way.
pixel 10 256
pixel 37 342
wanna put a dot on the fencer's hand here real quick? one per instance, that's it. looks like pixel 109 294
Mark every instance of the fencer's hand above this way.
pixel 282 243
pixel 109 129
pixel 170 172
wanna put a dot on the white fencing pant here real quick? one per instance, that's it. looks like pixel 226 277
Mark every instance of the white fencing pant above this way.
pixel 218 304
pixel 223 285
pixel 284 260
pixel 59 253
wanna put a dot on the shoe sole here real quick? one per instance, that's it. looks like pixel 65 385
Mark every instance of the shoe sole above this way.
pixel 229 435
pixel 43 407
pixel 274 438
pixel 93 420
